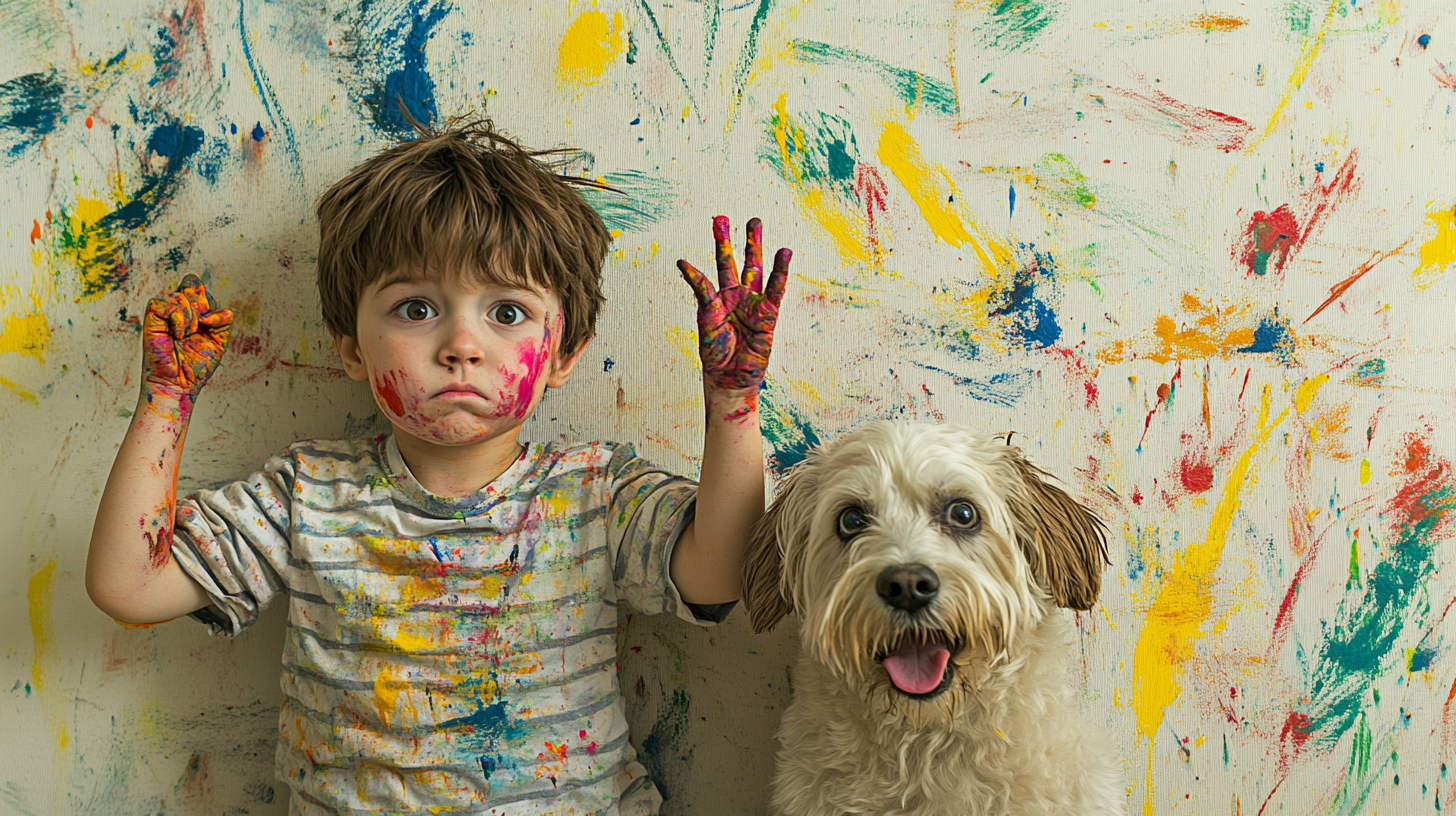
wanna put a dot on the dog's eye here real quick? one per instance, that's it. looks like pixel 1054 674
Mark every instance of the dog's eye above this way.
pixel 852 521
pixel 962 514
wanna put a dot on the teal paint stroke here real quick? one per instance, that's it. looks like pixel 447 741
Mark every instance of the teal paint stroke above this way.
pixel 639 201
pixel 915 89
pixel 749 52
pixel 819 151
pixel 1369 623
pixel 666 50
pixel 788 431
pixel 1013 24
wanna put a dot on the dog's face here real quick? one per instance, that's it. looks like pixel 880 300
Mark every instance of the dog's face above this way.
pixel 911 550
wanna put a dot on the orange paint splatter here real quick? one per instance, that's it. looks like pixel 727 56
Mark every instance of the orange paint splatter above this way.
pixel 35 231
pixel 1217 22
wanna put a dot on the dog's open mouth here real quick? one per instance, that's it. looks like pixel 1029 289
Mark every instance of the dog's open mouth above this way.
pixel 919 665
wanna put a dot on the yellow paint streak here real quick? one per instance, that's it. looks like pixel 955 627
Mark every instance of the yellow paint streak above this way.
pixel 19 391
pixel 38 593
pixel 588 48
pixel 28 334
pixel 1183 608
pixel 1301 70
pixel 1217 22
pixel 1440 251
pixel 1307 389
pixel 685 341
pixel 842 224
pixel 1364 472
pixel 928 184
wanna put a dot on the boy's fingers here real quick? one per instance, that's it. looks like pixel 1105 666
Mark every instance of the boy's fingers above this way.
pixel 181 317
pixel 217 319
pixel 702 288
pixel 723 253
pixel 779 279
pixel 753 257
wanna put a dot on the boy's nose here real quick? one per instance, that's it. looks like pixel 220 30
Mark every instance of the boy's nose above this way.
pixel 461 348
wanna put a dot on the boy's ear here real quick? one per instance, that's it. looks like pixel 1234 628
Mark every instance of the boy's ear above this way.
pixel 562 366
pixel 349 352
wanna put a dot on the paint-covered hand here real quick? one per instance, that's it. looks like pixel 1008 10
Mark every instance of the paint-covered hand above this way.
pixel 736 322
pixel 183 338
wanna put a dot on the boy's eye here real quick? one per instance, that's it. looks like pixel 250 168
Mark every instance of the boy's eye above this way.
pixel 415 310
pixel 508 314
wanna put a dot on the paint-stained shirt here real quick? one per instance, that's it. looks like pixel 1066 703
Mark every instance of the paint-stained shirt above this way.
pixel 446 655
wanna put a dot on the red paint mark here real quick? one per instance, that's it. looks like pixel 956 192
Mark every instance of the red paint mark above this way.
pixel 1268 240
pixel 1322 199
pixel 1292 739
pixel 251 344
pixel 159 547
pixel 591 748
pixel 1165 390
pixel 872 192
pixel 1446 78
pixel 558 751
pixel 1187 124
pixel 1340 288
pixel 1137 495
pixel 385 388
pixel 35 231
pixel 1196 475
pixel 1245 386
pixel 90 123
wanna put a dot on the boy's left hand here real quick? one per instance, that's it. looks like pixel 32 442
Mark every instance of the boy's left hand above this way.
pixel 736 323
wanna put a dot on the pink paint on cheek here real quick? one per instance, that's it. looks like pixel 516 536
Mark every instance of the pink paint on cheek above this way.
pixel 533 359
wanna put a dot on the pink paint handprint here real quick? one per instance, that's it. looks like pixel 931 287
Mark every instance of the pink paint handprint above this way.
pixel 183 338
pixel 736 322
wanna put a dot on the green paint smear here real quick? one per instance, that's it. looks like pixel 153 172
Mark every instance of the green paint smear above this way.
pixel 749 52
pixel 666 51
pixel 1069 183
pixel 1015 23
pixel 822 153
pixel 640 201
pixel 915 89
pixel 1368 626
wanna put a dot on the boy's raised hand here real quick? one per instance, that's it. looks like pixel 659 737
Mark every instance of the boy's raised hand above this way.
pixel 183 338
pixel 736 322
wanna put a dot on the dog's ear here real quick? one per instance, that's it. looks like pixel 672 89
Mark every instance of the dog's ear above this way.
pixel 764 592
pixel 1064 543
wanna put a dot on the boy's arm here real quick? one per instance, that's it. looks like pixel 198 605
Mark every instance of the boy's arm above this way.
pixel 735 336
pixel 130 574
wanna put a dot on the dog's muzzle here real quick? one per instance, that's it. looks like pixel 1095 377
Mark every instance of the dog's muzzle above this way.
pixel 919 664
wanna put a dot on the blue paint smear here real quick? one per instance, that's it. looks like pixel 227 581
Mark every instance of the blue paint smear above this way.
pixel 1005 388
pixel 1424 40
pixel 31 108
pixel 1033 323
pixel 266 95
pixel 1012 195
pixel 258 133
pixel 177 143
pixel 402 35
pixel 1272 337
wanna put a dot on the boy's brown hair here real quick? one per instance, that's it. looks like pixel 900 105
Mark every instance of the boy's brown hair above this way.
pixel 464 200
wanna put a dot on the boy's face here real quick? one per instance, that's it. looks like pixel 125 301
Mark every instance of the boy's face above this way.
pixel 454 362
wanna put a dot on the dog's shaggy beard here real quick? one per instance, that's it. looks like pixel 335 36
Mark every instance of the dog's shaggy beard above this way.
pixel 983 605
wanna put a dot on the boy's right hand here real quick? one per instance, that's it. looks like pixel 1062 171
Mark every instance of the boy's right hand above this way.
pixel 183 338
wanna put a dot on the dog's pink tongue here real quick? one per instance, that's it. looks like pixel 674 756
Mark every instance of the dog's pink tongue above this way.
pixel 917 668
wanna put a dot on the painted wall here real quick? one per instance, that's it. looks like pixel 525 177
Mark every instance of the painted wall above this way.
pixel 1197 254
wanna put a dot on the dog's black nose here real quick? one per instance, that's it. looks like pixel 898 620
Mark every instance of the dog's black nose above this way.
pixel 910 587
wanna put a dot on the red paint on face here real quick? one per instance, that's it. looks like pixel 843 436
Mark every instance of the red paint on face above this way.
pixel 385 389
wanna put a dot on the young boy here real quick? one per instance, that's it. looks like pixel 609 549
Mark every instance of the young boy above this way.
pixel 451 642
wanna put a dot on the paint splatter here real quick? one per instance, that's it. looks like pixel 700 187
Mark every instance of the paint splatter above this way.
pixel 916 90
pixel 390 63
pixel 1023 301
pixel 641 200
pixel 588 48
pixel 1013 24
pixel 1268 240
pixel 928 184
pixel 786 428
pixel 819 160
pixel 1439 252
pixel 32 106
pixel 1203 330
pixel 1183 123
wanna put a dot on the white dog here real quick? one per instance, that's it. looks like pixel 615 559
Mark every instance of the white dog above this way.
pixel 927 564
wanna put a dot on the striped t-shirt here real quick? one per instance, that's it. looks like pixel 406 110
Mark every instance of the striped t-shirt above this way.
pixel 446 655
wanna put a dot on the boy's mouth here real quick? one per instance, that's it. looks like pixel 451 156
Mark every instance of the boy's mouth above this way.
pixel 459 391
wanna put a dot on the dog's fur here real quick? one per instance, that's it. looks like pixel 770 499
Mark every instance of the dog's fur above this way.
pixel 1002 734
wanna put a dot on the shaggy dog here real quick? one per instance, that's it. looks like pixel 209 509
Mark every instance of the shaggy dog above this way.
pixel 927 564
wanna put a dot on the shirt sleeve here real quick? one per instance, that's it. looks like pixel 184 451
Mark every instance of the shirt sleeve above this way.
pixel 647 511
pixel 234 541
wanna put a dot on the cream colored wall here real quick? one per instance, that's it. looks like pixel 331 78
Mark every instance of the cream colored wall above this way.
pixel 1039 215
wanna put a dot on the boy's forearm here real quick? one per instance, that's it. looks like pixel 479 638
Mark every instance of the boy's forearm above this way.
pixel 708 561
pixel 130 574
